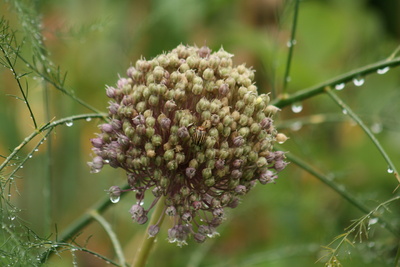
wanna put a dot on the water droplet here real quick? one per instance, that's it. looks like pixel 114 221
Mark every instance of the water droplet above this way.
pixel 114 199
pixel 296 126
pixel 340 86
pixel 344 111
pixel 69 123
pixel 383 71
pixel 376 127
pixel 12 217
pixel 358 81
pixel 390 170
pixel 21 167
pixel 291 43
pixel 297 107
pixel 30 156
pixel 37 149
pixel 288 79
pixel 88 119
pixel 372 221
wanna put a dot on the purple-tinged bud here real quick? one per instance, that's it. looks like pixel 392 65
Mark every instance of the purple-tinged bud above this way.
pixel 116 124
pixel 238 141
pixel 218 213
pixel 220 164
pixel 266 123
pixel 170 211
pixel 278 155
pixel 115 190
pixel 130 71
pixel 237 163
pixel 172 234
pixel 96 165
pixel 157 191
pixel 214 119
pixel 186 217
pixel 165 123
pixel 111 92
pixel 106 128
pixel 199 238
pixel 136 211
pixel 113 108
pixel 122 82
pixel 153 230
pixel 267 177
pixel 190 172
pixel 97 142
pixel 236 174
pixel 223 89
pixel 204 52
pixel 138 120
pixel 240 189
pixel 279 165
pixel 142 219
pixel 234 203
pixel 183 132
pixel 196 205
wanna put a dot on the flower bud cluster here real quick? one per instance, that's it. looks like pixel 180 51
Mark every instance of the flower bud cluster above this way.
pixel 190 126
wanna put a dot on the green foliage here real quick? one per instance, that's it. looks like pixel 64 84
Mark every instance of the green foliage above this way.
pixel 59 55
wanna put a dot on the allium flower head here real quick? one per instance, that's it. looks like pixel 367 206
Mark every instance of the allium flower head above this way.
pixel 191 128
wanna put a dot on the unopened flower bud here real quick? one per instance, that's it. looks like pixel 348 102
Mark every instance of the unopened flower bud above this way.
pixel 153 230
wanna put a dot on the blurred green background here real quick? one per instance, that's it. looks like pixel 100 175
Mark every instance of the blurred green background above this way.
pixel 279 225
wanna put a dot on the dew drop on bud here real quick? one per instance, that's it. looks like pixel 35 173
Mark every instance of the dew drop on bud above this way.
pixel 297 107
pixel 383 71
pixel 69 123
pixel 114 198
pixel 340 86
pixel 389 170
pixel 358 81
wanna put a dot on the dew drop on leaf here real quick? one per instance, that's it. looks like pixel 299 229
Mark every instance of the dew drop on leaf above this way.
pixel 383 70
pixel 358 81
pixel 340 86
pixel 389 170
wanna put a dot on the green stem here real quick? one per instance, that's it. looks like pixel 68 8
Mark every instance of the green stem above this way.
pixel 81 222
pixel 143 251
pixel 107 227
pixel 291 45
pixel 45 127
pixel 344 78
pixel 357 119
pixel 340 190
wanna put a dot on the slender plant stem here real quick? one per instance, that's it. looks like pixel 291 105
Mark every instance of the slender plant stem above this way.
pixel 291 43
pixel 357 119
pixel 107 227
pixel 340 190
pixel 344 78
pixel 45 127
pixel 143 251
pixel 17 79
pixel 81 222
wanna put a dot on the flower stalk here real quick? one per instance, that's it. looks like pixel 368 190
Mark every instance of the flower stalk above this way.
pixel 145 247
